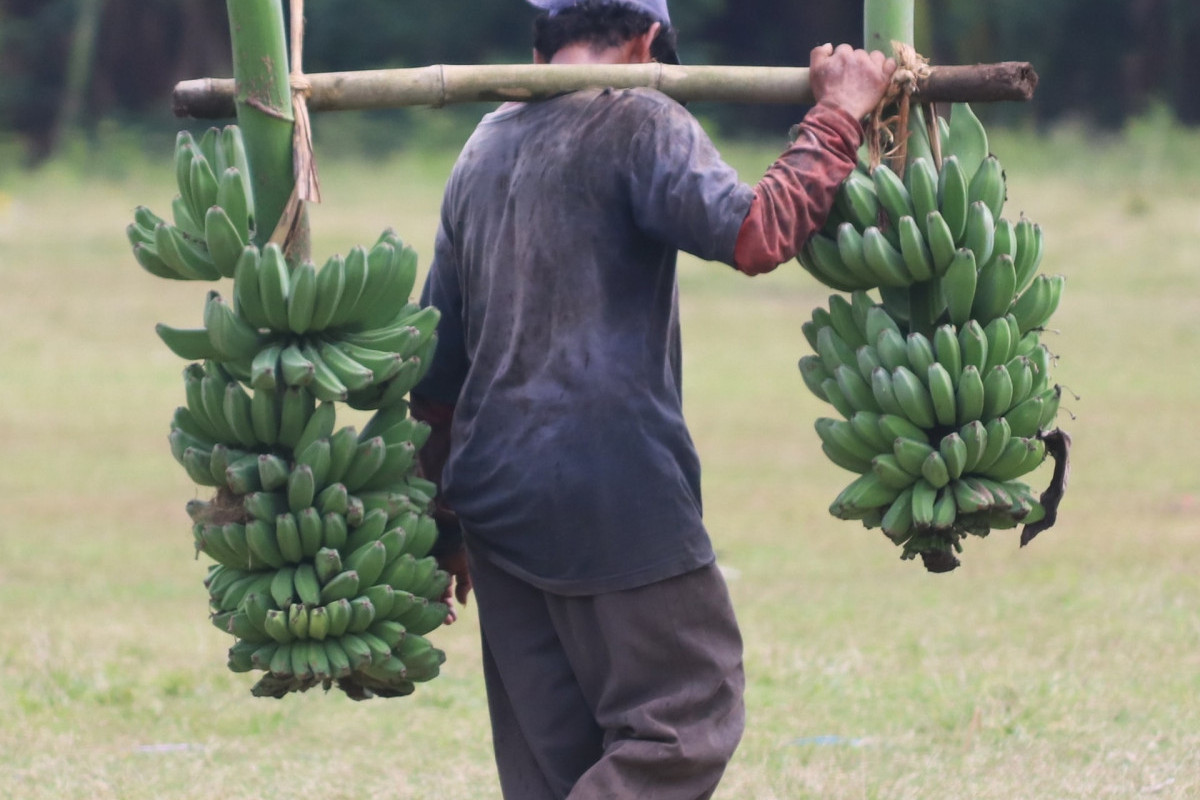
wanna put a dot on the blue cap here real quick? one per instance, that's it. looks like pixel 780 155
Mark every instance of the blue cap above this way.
pixel 655 8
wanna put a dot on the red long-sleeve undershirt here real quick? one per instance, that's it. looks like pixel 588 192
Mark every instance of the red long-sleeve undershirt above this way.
pixel 793 198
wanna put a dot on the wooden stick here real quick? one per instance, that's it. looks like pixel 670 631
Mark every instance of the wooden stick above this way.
pixel 441 84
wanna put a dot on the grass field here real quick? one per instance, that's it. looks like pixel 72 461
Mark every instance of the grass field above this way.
pixel 1068 669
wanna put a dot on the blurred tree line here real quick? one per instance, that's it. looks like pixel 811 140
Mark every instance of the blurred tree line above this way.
pixel 65 64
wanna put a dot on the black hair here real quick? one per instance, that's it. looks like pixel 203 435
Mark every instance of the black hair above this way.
pixel 601 23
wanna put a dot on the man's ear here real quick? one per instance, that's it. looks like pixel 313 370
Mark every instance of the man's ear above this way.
pixel 643 44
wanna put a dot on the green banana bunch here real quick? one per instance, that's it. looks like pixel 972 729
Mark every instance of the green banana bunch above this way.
pixel 319 535
pixel 938 418
pixel 212 216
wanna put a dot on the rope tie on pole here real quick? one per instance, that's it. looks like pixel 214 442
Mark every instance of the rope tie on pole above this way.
pixel 307 187
pixel 887 137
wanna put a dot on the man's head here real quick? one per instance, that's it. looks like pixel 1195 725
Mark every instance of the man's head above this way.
pixel 601 24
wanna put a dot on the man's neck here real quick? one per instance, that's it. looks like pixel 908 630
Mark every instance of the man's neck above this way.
pixel 586 54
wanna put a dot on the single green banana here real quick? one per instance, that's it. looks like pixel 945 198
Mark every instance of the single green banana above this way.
pixel 1024 419
pixel 368 561
pixel 967 138
pixel 287 537
pixel 980 238
pixel 331 282
pixel 850 249
pixel 958 285
pixel 998 435
pixel 919 351
pixel 334 530
pixel 994 292
pixel 942 394
pixel 308 588
pixel 302 296
pixel 260 540
pixel 296 407
pixel 318 627
pixel 921 180
pixel 297 621
pixel 884 260
pixel 856 391
pixel 888 468
pixel 821 259
pixel 301 488
pixel 974 437
pixel 232 199
pixel 973 344
pixel 231 336
pixel 274 284
pixel 362 614
pixel 857 200
pixel 940 239
pixel 997 392
pixel 181 256
pixel 954 454
pixel 1038 303
pixel 225 244
pixel 945 510
pixel 953 200
pixel 326 385
pixel 203 186
pixel 897 522
pixel 1000 343
pixel 878 320
pixel 885 393
pixel 913 397
pixel 339 614
pixel 339 662
pixel 312 531
pixel 916 254
pixel 241 476
pixel 276 626
pixel 987 185
pixel 970 395
pixel 893 196
pixel 355 268
pixel 1030 244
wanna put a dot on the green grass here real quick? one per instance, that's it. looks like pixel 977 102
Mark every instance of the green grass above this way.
pixel 1068 669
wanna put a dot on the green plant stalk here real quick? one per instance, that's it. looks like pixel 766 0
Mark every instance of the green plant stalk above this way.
pixel 887 21
pixel 264 110
pixel 884 22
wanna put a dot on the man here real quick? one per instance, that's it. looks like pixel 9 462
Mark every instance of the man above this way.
pixel 612 659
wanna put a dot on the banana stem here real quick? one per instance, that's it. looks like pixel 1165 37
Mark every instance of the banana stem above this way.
pixel 887 21
pixel 263 102
pixel 884 22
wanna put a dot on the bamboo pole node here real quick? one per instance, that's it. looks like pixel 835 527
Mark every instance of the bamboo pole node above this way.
pixel 887 137
pixel 307 186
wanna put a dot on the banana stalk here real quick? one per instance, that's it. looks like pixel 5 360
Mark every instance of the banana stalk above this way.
pixel 884 22
pixel 264 112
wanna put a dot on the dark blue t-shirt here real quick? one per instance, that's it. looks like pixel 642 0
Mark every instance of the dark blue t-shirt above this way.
pixel 554 269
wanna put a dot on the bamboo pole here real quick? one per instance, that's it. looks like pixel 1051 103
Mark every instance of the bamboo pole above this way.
pixel 262 97
pixel 442 84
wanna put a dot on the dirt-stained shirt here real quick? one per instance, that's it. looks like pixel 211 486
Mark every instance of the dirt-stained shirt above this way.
pixel 570 464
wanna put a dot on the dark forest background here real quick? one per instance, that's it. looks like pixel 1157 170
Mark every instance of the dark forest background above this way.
pixel 68 65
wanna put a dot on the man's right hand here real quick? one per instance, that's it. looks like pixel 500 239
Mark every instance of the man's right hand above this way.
pixel 853 80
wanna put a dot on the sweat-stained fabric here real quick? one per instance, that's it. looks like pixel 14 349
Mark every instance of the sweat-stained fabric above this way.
pixel 554 269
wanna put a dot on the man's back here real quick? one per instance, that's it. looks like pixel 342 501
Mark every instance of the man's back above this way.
pixel 572 464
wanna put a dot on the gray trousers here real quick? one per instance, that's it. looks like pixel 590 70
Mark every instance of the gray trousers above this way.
pixel 631 694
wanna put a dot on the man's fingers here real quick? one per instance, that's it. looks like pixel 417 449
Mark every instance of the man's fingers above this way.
pixel 819 54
